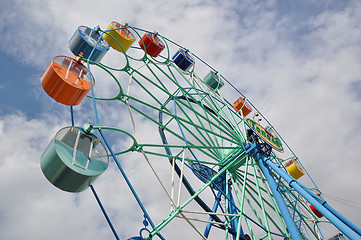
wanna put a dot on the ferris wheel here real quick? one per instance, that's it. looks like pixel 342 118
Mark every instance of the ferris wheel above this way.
pixel 224 170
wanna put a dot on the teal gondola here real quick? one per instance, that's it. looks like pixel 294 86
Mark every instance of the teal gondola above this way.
pixel 213 81
pixel 74 159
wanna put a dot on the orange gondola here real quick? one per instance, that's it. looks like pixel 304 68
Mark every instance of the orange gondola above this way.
pixel 66 80
pixel 240 104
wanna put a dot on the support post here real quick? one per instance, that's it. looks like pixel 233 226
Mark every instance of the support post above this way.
pixel 104 212
pixel 334 219
pixel 291 226
pixel 146 215
pixel 233 210
pixel 214 209
pixel 343 219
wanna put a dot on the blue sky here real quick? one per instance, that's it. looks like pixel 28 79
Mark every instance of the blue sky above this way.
pixel 17 77
pixel 297 61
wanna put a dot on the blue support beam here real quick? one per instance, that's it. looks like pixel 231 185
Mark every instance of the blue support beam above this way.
pixel 342 218
pixel 334 217
pixel 214 209
pixel 104 212
pixel 334 212
pixel 291 226
pixel 140 203
pixel 233 210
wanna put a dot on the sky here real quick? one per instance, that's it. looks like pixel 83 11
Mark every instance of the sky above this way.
pixel 299 62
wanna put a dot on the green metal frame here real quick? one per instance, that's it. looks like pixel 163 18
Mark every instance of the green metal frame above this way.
pixel 201 126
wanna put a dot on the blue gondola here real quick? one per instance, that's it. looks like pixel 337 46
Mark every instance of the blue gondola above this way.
pixel 183 60
pixel 85 40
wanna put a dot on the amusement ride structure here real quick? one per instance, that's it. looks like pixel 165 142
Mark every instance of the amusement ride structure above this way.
pixel 223 168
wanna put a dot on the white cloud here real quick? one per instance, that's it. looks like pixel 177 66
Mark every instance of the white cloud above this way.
pixel 298 74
